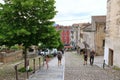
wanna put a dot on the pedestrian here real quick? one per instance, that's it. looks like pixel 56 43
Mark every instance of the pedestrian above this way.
pixel 47 59
pixel 92 54
pixel 62 51
pixel 59 56
pixel 85 57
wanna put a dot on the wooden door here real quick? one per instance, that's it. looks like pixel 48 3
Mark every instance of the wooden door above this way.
pixel 110 57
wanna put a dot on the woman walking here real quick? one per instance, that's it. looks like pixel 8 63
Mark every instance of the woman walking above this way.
pixel 85 57
pixel 47 59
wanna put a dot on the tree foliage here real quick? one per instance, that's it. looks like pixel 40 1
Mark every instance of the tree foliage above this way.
pixel 51 38
pixel 26 21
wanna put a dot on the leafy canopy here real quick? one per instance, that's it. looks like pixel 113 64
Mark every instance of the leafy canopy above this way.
pixel 28 22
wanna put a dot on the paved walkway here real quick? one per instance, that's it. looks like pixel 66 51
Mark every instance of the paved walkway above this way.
pixel 54 72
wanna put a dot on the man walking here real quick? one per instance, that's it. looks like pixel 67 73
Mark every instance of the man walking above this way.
pixel 92 54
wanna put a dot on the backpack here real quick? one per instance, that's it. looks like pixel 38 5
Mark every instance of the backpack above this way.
pixel 92 54
pixel 59 55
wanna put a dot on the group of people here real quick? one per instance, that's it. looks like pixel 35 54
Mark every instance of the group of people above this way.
pixel 85 54
pixel 92 54
pixel 59 57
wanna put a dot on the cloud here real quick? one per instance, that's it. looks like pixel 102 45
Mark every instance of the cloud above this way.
pixel 69 10
pixel 76 11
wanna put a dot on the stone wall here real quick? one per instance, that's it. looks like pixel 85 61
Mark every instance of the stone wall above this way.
pixel 112 40
pixel 9 57
pixel 100 38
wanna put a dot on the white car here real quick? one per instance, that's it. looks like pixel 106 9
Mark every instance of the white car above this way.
pixel 45 52
pixel 54 52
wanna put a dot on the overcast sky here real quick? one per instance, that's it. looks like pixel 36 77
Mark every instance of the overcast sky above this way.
pixel 1 1
pixel 76 11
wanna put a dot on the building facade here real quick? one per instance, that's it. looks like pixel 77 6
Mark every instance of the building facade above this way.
pixel 88 35
pixel 99 25
pixel 65 33
pixel 112 39
pixel 75 35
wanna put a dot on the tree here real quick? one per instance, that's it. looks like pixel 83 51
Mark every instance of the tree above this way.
pixel 25 21
pixel 52 38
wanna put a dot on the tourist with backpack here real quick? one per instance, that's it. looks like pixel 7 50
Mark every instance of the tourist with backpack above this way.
pixel 59 56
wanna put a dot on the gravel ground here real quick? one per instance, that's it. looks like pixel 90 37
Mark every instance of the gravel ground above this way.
pixel 75 70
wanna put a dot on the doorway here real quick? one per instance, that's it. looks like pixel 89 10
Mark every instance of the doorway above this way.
pixel 110 57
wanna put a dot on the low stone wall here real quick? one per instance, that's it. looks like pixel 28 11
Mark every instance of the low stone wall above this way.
pixel 9 57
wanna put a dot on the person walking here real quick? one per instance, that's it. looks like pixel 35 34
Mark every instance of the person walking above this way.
pixel 85 57
pixel 92 54
pixel 59 56
pixel 47 59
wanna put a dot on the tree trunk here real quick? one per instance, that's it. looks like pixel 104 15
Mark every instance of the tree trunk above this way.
pixel 25 57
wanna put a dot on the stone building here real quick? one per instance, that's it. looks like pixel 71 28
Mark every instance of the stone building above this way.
pixel 87 35
pixel 99 25
pixel 112 40
pixel 75 35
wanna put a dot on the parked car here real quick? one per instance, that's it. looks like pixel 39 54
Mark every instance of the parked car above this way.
pixel 54 52
pixel 45 52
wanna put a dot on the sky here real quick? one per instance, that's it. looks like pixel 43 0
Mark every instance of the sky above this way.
pixel 1 1
pixel 77 11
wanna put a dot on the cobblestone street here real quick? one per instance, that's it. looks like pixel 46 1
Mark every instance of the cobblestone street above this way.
pixel 75 70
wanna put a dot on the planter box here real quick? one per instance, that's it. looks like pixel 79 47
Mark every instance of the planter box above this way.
pixel 9 57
